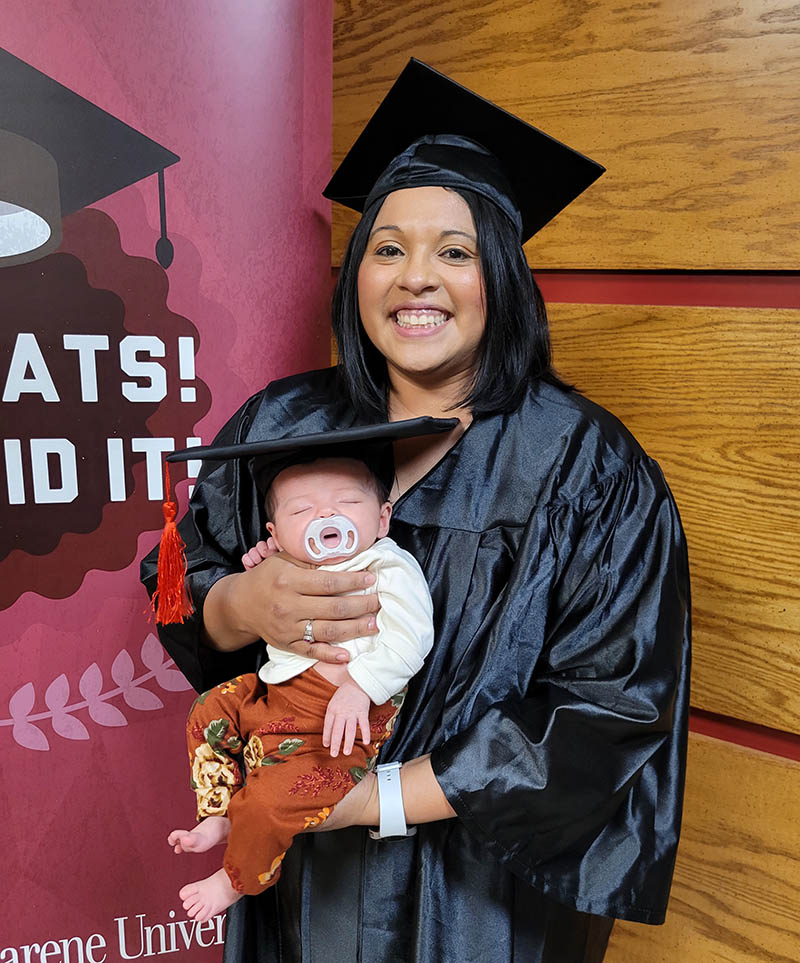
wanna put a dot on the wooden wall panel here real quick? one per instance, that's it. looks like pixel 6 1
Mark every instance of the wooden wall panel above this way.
pixel 714 395
pixel 737 878
pixel 692 107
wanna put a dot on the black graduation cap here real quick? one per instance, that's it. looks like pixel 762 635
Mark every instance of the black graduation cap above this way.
pixel 429 130
pixel 95 153
pixel 367 443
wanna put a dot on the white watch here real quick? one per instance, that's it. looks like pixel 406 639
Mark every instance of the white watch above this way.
pixel 390 801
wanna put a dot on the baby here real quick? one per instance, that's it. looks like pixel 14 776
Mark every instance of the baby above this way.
pixel 287 724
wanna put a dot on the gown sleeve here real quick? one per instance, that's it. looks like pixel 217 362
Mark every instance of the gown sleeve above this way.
pixel 576 786
pixel 223 517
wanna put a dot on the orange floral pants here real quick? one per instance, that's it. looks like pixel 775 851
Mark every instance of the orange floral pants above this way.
pixel 290 781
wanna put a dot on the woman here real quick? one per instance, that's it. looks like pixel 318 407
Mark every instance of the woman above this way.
pixel 543 742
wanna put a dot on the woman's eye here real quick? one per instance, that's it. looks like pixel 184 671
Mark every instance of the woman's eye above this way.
pixel 388 250
pixel 455 254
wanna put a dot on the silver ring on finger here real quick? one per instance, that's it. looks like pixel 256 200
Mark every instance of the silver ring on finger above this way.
pixel 308 632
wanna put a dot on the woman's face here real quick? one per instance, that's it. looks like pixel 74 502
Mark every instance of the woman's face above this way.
pixel 420 291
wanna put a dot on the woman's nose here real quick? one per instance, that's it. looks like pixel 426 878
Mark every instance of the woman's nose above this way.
pixel 417 274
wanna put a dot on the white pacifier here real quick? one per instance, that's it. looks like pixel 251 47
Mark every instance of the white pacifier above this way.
pixel 319 538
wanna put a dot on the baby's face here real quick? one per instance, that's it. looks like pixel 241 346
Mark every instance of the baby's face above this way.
pixel 321 489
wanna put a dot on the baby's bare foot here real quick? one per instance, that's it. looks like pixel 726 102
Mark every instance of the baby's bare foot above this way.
pixel 207 897
pixel 212 831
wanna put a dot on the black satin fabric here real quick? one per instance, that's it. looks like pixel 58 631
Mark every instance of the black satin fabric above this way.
pixel 554 701
pixel 452 161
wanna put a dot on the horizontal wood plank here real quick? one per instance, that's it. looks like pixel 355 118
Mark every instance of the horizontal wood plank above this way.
pixel 737 878
pixel 692 107
pixel 714 395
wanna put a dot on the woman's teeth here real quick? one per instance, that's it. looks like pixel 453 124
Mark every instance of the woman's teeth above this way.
pixel 420 319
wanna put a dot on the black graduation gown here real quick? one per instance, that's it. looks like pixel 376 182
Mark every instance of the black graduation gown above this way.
pixel 554 701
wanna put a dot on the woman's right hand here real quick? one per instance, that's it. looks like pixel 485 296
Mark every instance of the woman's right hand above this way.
pixel 275 600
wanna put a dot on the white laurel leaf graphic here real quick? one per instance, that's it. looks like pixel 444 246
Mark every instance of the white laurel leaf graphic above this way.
pixel 21 703
pixel 152 653
pixel 57 693
pixel 142 699
pixel 122 669
pixel 30 736
pixel 68 727
pixel 104 714
pixel 172 680
pixel 97 703
pixel 91 682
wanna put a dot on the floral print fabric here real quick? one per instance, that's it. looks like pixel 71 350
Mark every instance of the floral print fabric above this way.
pixel 256 755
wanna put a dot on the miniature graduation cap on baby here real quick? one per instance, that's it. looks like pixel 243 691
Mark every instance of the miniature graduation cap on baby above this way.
pixel 265 460
pixel 431 131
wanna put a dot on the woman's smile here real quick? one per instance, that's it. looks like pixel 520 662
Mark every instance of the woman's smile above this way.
pixel 419 320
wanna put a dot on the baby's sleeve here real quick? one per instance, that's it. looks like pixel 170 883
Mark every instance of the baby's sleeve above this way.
pixel 405 628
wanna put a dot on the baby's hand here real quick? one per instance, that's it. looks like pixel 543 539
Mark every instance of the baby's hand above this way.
pixel 257 554
pixel 347 710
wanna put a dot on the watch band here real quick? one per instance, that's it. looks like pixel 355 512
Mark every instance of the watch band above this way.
pixel 390 800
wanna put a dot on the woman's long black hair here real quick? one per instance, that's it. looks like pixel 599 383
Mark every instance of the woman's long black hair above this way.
pixel 515 349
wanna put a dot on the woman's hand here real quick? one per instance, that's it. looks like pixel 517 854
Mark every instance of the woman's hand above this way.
pixel 274 600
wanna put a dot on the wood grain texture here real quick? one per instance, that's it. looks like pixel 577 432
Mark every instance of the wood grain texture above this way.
pixel 694 108
pixel 737 877
pixel 714 395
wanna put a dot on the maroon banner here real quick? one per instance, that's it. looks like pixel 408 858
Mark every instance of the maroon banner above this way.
pixel 187 265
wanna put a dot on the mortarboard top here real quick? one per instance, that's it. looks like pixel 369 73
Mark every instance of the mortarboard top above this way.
pixel 96 153
pixel 367 443
pixel 528 173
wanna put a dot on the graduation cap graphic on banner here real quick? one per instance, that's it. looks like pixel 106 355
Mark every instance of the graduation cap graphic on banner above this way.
pixel 59 153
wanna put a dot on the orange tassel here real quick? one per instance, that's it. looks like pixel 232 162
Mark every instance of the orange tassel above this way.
pixel 171 601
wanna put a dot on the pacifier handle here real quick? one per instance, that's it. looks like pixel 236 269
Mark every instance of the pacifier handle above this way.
pixel 343 525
